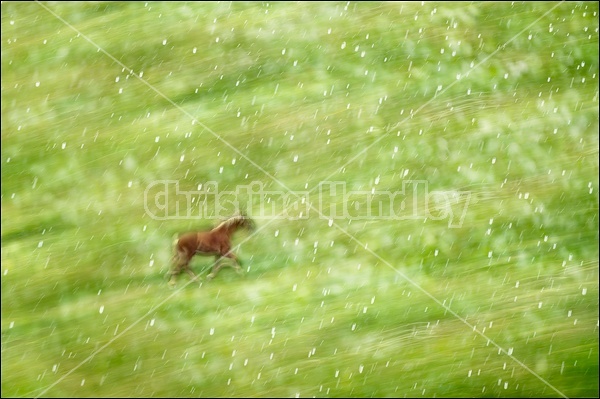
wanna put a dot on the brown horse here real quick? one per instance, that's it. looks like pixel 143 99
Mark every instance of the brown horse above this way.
pixel 216 242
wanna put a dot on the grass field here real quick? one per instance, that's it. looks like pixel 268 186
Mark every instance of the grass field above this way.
pixel 482 118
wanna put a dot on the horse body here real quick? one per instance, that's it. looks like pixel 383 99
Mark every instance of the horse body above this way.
pixel 216 242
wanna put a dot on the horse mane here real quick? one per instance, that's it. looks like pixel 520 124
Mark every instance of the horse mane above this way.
pixel 233 220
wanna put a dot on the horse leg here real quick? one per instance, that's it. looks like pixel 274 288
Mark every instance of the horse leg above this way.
pixel 217 266
pixel 190 272
pixel 237 265
pixel 172 275
pixel 181 261
pixel 185 259
pixel 174 271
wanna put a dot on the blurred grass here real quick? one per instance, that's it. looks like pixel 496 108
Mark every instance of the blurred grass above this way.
pixel 300 89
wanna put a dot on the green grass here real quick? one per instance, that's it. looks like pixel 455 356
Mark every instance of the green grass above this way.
pixel 495 100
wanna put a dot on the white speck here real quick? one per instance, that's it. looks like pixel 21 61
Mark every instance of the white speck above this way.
pixel 194 50
pixel 181 158
pixel 164 42
pixel 101 309
pixel 220 170
pixel 493 160
pixel 117 79
pixel 295 158
pixel 584 291
pixel 64 145
pixel 82 382
pixel 294 287
pixel 151 322
pixel 283 52
pixel 276 233
pixel 40 244
pixel 156 139
pixel 343 45
pixel 331 224
pixel 212 331
pixel 353 326
pixel 37 84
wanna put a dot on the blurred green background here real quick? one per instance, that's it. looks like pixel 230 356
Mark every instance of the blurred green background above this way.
pixel 497 100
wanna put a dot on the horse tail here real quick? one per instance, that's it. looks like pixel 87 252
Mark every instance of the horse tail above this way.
pixel 174 241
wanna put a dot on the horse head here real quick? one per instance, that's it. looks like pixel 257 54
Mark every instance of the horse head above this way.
pixel 248 223
pixel 245 220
